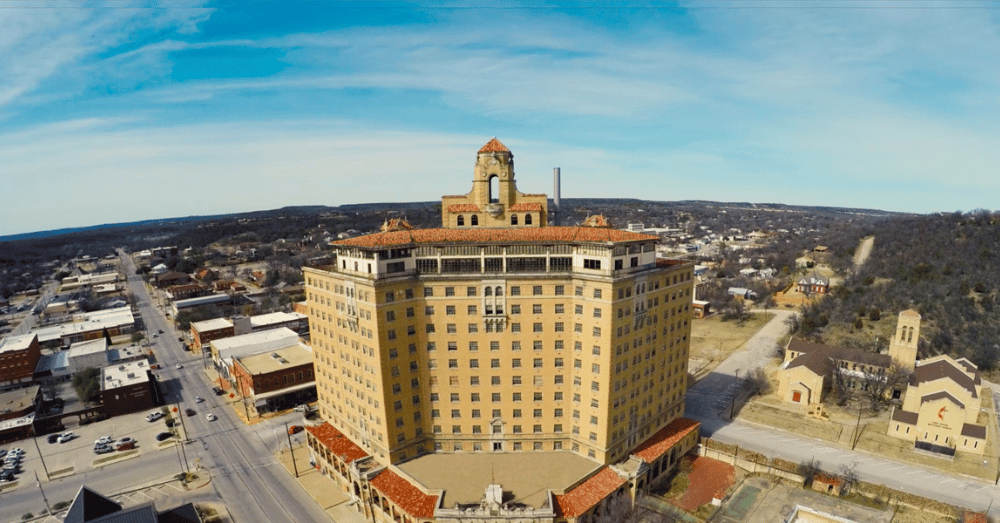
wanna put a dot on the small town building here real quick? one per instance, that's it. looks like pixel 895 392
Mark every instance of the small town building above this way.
pixel 201 301
pixel 127 388
pixel 88 326
pixel 813 284
pixel 203 332
pixel 18 359
pixel 224 350
pixel 18 408
pixel 91 507
pixel 275 379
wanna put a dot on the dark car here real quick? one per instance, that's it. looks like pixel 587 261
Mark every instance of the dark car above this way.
pixel 163 436
pixel 189 412
pixel 53 438
pixel 6 475
pixel 295 429
pixel 218 391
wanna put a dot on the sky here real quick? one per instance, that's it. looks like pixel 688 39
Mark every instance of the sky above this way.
pixel 122 111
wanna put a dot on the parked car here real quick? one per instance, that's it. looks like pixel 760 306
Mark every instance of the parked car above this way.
pixel 178 366
pixel 199 399
pixel 211 417
pixel 301 408
pixel 104 440
pixel 180 339
pixel 161 331
pixel 103 449
pixel 218 391
pixel 7 475
pixel 155 366
pixel 125 442
pixel 155 335
pixel 66 436
pixel 154 416
pixel 54 437
pixel 189 412
pixel 295 429
pixel 163 436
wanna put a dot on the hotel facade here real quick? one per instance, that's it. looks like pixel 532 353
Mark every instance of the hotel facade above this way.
pixel 499 334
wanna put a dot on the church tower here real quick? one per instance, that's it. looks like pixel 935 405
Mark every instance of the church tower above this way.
pixel 494 200
pixel 903 346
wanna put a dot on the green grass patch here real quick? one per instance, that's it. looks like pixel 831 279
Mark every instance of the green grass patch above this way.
pixel 864 501
pixel 678 485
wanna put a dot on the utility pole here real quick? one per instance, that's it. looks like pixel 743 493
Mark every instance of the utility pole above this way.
pixel 48 510
pixel 42 459
pixel 291 450
pixel 857 427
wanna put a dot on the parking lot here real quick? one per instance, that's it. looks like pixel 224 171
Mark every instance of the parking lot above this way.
pixel 77 455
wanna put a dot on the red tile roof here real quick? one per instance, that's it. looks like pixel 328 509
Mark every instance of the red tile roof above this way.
pixel 534 234
pixel 463 207
pixel 494 146
pixel 405 495
pixel 911 313
pixel 526 207
pixel 337 442
pixel 587 494
pixel 660 443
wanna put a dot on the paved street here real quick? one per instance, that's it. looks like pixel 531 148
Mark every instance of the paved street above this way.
pixel 245 475
pixel 710 399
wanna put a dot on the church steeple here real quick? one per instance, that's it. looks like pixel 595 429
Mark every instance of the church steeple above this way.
pixel 903 346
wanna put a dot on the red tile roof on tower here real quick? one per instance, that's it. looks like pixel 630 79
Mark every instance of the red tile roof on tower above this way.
pixel 337 442
pixel 660 443
pixel 463 207
pixel 582 497
pixel 535 234
pixel 405 495
pixel 494 146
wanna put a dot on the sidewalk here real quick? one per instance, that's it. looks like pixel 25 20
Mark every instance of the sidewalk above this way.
pixel 337 504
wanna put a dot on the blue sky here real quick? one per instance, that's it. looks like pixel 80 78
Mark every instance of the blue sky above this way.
pixel 123 111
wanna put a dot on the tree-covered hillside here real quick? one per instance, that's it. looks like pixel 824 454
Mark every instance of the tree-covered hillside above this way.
pixel 946 267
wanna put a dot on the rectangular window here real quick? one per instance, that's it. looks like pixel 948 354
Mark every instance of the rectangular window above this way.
pixel 536 308
pixel 473 328
pixel 452 328
pixel 516 380
pixel 560 290
pixel 449 291
pixel 494 380
pixel 495 363
pixel 452 345
pixel 537 363
pixel 597 313
pixel 515 309
pixel 515 363
pixel 428 292
pixel 591 264
pixel 517 413
pixel 597 293
pixel 494 345
pixel 474 381
pixel 515 290
pixel 449 310
pixel 473 363
pixel 536 290
pixel 560 308
pixel 559 327
pixel 536 327
pixel 429 310
pixel 495 397
pixel 390 315
pixel 470 291
pixel 471 309
pixel 515 345
pixel 390 296
pixel 515 327
pixel 558 379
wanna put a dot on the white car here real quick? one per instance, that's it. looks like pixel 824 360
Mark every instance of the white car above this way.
pixel 104 440
pixel 210 417
pixel 66 436
pixel 199 399
pixel 178 366
pixel 154 416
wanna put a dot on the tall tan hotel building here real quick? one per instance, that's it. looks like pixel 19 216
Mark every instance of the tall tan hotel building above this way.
pixel 497 333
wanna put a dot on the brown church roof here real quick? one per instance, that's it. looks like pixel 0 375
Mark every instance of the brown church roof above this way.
pixel 839 353
pixel 944 369
pixel 535 234
pixel 940 395
pixel 973 431
pixel 818 362
pixel 494 146
pixel 904 416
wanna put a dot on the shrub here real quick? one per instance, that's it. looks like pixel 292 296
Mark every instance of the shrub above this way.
pixel 875 314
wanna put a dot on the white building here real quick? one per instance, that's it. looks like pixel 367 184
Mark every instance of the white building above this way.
pixel 224 350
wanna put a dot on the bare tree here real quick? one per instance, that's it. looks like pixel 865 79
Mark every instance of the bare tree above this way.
pixel 849 477
pixel 808 470
pixel 877 387
pixel 757 383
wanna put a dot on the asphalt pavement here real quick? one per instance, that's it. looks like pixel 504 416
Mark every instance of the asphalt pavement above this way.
pixel 710 401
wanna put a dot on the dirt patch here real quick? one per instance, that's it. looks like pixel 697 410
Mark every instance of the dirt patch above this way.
pixel 714 340
pixel 709 479
pixel 912 515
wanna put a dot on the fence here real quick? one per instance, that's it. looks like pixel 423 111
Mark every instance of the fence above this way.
pixel 756 462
